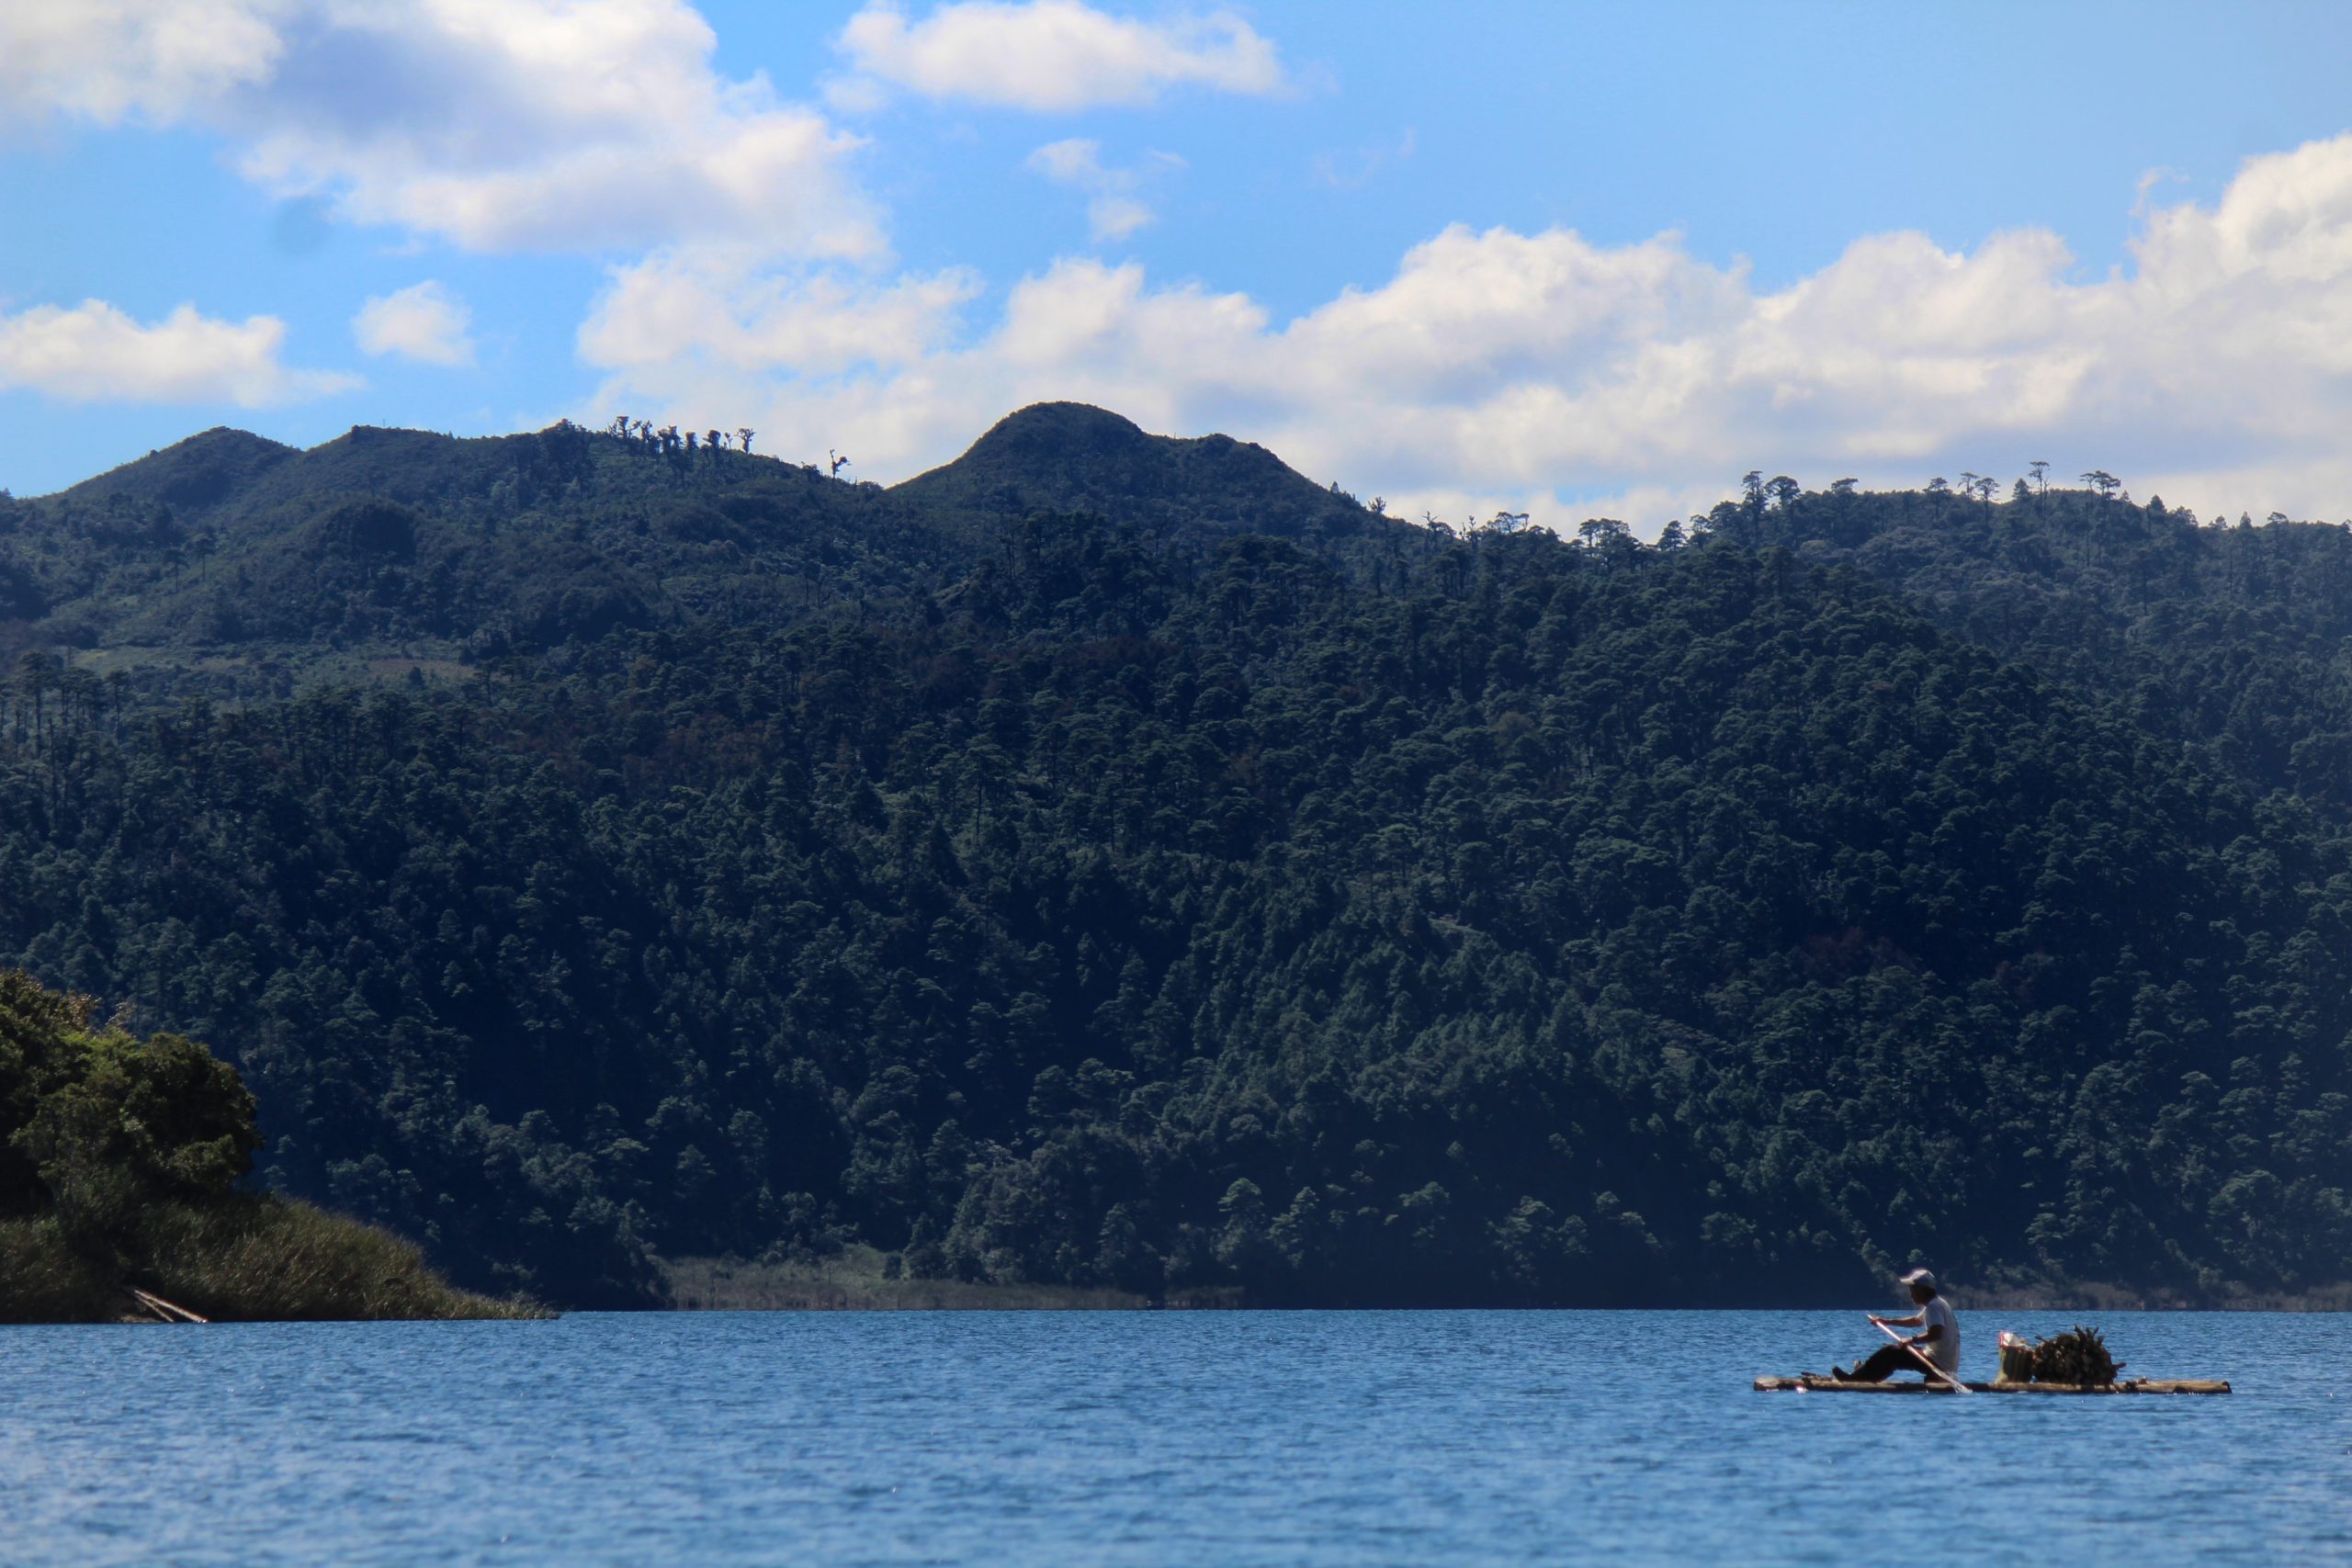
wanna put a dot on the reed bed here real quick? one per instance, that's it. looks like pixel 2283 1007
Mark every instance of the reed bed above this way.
pixel 253 1258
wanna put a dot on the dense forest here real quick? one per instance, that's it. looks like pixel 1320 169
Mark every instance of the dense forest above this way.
pixel 1113 860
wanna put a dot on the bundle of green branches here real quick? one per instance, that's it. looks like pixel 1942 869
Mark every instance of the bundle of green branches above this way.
pixel 2077 1356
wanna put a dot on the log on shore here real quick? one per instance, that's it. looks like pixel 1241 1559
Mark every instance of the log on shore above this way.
pixel 1809 1382
pixel 163 1311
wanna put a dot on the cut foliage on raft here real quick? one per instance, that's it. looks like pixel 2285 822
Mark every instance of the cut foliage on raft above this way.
pixel 119 1163
pixel 2077 1356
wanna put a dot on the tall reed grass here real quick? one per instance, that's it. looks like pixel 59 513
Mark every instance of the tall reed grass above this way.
pixel 247 1258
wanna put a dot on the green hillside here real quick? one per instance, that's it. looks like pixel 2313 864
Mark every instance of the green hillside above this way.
pixel 261 567
pixel 243 567
pixel 1070 457
pixel 2234 638
pixel 1216 884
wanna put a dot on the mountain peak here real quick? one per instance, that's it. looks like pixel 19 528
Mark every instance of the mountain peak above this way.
pixel 193 473
pixel 1062 428
pixel 1069 456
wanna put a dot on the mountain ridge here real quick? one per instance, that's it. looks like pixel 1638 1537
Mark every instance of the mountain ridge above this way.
pixel 226 540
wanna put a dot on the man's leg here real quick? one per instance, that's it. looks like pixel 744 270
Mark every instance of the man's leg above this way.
pixel 1885 1361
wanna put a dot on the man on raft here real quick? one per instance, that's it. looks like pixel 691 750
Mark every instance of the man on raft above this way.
pixel 1938 1339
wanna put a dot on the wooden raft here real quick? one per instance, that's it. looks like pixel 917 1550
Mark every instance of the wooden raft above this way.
pixel 1810 1382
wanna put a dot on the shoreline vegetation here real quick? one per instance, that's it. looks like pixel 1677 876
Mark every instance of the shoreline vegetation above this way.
pixel 119 1163
pixel 119 1159
pixel 2092 1297
pixel 253 1258
pixel 865 1278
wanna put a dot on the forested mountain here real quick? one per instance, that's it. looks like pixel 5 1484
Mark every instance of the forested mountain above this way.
pixel 236 559
pixel 253 566
pixel 2235 638
pixel 1343 909
pixel 1068 457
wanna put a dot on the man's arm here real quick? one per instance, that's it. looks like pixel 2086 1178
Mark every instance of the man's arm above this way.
pixel 1935 1331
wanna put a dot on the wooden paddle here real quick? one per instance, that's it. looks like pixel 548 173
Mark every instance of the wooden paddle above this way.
pixel 1925 1359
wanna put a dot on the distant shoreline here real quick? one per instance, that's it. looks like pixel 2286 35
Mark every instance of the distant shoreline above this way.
pixel 2112 1298
pixel 857 1278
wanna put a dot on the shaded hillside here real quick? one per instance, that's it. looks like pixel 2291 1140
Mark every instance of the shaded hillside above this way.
pixel 1070 458
pixel 217 468
pixel 1550 924
pixel 2234 638
pixel 402 541
pixel 261 565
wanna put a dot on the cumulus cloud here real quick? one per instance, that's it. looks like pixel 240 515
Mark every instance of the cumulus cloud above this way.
pixel 108 61
pixel 423 321
pixel 498 125
pixel 1545 372
pixel 94 353
pixel 709 312
pixel 1051 56
pixel 1113 209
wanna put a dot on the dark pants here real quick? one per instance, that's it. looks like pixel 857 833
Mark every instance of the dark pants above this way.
pixel 1891 1359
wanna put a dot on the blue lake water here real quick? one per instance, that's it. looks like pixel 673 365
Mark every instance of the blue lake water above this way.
pixel 1159 1438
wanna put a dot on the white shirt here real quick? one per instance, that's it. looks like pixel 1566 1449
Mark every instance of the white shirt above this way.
pixel 1944 1349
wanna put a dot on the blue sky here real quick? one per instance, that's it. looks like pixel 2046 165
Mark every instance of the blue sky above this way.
pixel 1558 257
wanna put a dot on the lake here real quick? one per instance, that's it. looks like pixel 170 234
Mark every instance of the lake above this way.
pixel 1151 1437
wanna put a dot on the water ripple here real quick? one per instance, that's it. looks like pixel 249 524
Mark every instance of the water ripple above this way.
pixel 1134 1439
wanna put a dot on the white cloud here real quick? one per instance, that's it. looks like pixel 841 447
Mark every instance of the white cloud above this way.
pixel 1051 56
pixel 1072 162
pixel 702 312
pixel 1116 217
pixel 1548 373
pixel 1114 211
pixel 423 321
pixel 111 59
pixel 1354 171
pixel 94 353
pixel 498 125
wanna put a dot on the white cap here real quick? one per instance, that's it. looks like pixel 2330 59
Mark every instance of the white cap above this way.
pixel 1921 1277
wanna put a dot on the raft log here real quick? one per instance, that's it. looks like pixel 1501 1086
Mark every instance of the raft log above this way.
pixel 1811 1382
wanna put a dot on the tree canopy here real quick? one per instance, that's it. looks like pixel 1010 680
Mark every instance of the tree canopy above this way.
pixel 694 854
